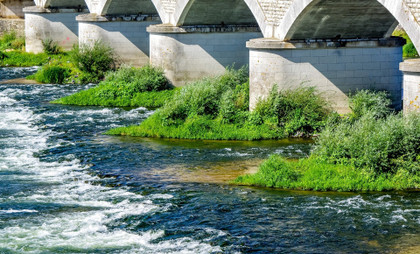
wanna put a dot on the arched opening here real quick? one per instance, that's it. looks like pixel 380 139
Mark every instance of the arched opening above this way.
pixel 65 4
pixel 217 12
pixel 342 19
pixel 130 7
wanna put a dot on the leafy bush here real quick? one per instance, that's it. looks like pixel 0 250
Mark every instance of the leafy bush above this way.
pixel 301 110
pixel 51 47
pixel 380 145
pixel 377 103
pixel 128 81
pixel 408 50
pixel 94 60
pixel 146 87
pixel 52 74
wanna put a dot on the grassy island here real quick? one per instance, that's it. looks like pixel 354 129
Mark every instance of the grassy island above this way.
pixel 372 149
pixel 218 108
pixel 127 87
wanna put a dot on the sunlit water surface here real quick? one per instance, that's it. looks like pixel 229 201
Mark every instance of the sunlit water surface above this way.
pixel 67 188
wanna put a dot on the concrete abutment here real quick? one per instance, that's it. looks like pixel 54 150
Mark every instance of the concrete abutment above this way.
pixel 127 35
pixel 60 25
pixel 334 68
pixel 192 52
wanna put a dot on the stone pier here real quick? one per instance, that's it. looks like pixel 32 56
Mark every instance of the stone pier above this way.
pixel 58 24
pixel 127 35
pixel 335 68
pixel 189 53
pixel 411 84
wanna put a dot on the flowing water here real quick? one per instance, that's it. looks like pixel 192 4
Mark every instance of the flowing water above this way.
pixel 67 188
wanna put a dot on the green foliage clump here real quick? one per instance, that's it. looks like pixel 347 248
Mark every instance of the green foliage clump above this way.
pixel 373 149
pixel 377 103
pixel 301 110
pixel 10 40
pixel 409 50
pixel 127 87
pixel 51 47
pixel 52 74
pixel 217 108
pixel 94 61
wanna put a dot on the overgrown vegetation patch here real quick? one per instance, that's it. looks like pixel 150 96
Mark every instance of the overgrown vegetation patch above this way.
pixel 127 87
pixel 372 149
pixel 217 108
pixel 409 50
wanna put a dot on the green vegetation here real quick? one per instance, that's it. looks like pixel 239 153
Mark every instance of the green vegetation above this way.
pixel 12 52
pixel 370 150
pixel 217 108
pixel 51 47
pixel 94 61
pixel 22 59
pixel 52 74
pixel 408 50
pixel 12 41
pixel 127 87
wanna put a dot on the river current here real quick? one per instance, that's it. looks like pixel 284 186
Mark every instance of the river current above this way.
pixel 67 188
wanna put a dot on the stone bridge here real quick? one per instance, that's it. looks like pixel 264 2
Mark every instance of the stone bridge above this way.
pixel 337 45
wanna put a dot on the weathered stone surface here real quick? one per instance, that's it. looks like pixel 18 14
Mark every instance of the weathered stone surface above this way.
pixel 411 84
pixel 12 9
pixel 8 25
pixel 187 56
pixel 129 39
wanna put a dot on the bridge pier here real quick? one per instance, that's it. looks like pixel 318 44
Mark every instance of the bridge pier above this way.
pixel 335 68
pixel 411 84
pixel 126 34
pixel 189 53
pixel 58 24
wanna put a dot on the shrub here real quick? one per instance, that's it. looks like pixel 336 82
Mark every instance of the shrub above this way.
pixel 51 47
pixel 381 145
pixel 128 81
pixel 52 74
pixel 377 103
pixel 408 50
pixel 301 110
pixel 94 60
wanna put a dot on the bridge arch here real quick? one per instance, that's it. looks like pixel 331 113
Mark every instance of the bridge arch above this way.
pixel 216 12
pixel 328 19
pixel 60 3
pixel 123 7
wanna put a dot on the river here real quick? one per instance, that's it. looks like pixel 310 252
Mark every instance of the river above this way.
pixel 67 188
